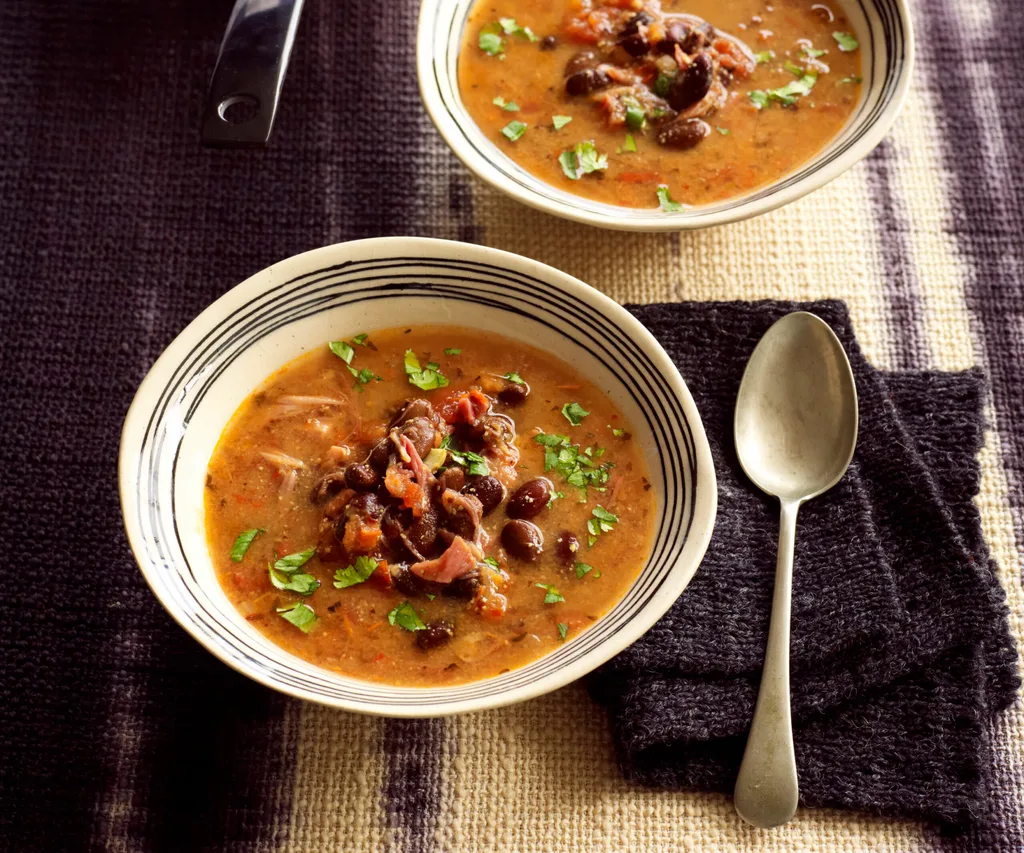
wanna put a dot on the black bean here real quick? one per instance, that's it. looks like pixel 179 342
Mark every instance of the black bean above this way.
pixel 437 633
pixel 530 498
pixel 406 582
pixel 461 524
pixel 523 540
pixel 582 61
pixel 692 85
pixel 422 433
pixel 635 44
pixel 488 490
pixel 380 455
pixel 675 33
pixel 567 547
pixel 683 134
pixel 361 477
pixel 411 409
pixel 698 38
pixel 367 504
pixel 633 25
pixel 423 531
pixel 453 478
pixel 391 524
pixel 514 393
pixel 328 486
pixel 548 43
pixel 463 587
pixel 584 82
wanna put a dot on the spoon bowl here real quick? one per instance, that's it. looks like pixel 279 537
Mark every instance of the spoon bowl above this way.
pixel 796 430
pixel 796 412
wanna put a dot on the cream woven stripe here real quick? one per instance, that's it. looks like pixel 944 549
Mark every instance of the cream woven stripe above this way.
pixel 541 776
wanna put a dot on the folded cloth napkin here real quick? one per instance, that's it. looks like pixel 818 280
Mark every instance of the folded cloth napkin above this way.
pixel 900 649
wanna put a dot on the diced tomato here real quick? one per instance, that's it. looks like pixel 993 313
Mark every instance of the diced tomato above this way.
pixel 465 408
pixel 361 534
pixel 638 177
pixel 412 498
pixel 381 577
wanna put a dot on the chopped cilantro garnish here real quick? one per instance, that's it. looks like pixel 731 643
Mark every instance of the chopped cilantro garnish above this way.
pixel 574 413
pixel 846 42
pixel 582 159
pixel 452 351
pixel 355 573
pixel 363 376
pixel 360 339
pixel 473 463
pixel 764 56
pixel 636 118
pixel 243 542
pixel 430 596
pixel 579 470
pixel 563 629
pixel 661 85
pixel 405 616
pixel 514 377
pixel 425 378
pixel 511 28
pixel 793 68
pixel 294 561
pixel 812 52
pixel 582 569
pixel 558 122
pixel 855 79
pixel 618 433
pixel 758 98
pixel 508 106
pixel 490 42
pixel 513 130
pixel 665 201
pixel 300 615
pixel 788 94
pixel 602 522
pixel 343 350
pixel 723 130
pixel 492 562
pixel 629 146
pixel 557 496
pixel 553 595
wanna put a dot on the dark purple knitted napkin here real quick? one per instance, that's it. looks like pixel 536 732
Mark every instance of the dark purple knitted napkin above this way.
pixel 901 649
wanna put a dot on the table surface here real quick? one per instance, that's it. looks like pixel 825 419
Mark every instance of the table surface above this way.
pixel 121 734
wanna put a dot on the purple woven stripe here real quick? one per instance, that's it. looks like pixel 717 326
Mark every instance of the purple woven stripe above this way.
pixel 983 152
pixel 901 288
pixel 412 787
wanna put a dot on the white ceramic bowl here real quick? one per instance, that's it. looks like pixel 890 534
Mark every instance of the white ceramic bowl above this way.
pixel 191 392
pixel 887 43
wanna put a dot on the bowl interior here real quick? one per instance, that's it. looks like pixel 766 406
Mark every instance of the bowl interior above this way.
pixel 196 386
pixel 886 43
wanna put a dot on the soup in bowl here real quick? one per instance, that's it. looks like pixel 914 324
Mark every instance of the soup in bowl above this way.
pixel 413 477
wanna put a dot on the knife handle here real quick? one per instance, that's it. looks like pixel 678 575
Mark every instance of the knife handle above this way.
pixel 242 99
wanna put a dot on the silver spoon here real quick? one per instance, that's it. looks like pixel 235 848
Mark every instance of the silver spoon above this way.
pixel 796 428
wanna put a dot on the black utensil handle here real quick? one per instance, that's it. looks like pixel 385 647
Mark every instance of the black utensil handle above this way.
pixel 242 100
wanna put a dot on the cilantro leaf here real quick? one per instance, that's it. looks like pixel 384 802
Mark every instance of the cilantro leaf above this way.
pixel 629 146
pixel 473 463
pixel 294 561
pixel 360 339
pixel 758 98
pixel 724 131
pixel 242 543
pixel 602 521
pixel 665 201
pixel 514 377
pixel 293 581
pixel 425 378
pixel 558 122
pixel 300 615
pixel 343 350
pixel 553 596
pixel 636 118
pixel 490 43
pixel 764 56
pixel 812 52
pixel 582 159
pixel 846 41
pixel 511 28
pixel 578 469
pixel 563 629
pixel 574 413
pixel 452 351
pixel 661 85
pixel 855 79
pixel 793 68
pixel 513 130
pixel 492 562
pixel 582 569
pixel 508 106
pixel 405 616
pixel 355 573
pixel 618 433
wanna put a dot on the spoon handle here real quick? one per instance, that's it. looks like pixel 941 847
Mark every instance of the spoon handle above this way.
pixel 766 789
